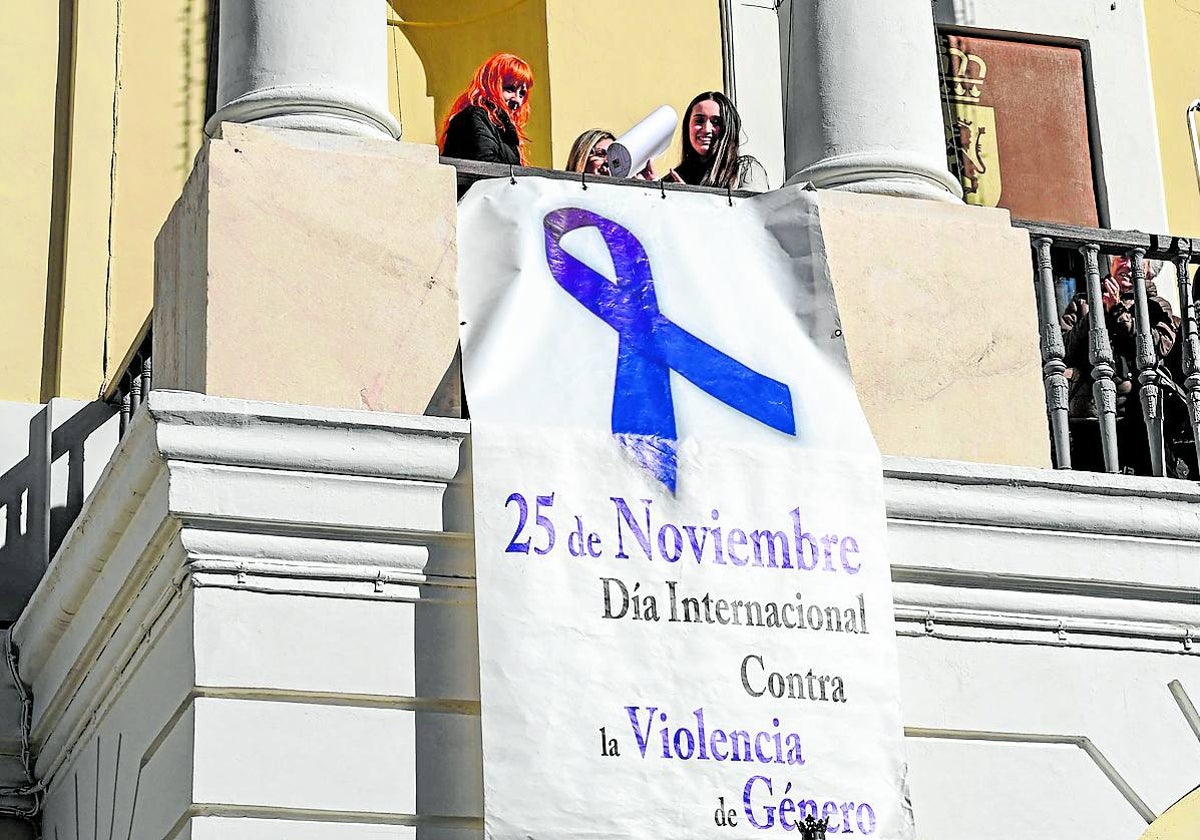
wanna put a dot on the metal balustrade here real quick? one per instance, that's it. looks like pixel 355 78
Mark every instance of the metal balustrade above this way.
pixel 131 385
pixel 1168 385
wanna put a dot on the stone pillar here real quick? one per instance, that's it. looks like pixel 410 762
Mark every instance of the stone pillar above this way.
pixel 862 100
pixel 319 66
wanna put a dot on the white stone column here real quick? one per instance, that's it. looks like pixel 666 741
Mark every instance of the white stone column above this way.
pixel 862 99
pixel 320 66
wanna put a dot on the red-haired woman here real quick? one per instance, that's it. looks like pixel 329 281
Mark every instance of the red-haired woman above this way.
pixel 487 121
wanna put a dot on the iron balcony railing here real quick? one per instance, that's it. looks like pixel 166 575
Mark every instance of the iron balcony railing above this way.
pixel 133 380
pixel 1092 415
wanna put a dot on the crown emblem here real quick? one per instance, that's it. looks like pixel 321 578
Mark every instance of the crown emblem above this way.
pixel 963 74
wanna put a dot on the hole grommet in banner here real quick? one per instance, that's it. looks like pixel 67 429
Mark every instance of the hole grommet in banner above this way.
pixel 512 177
pixel 583 179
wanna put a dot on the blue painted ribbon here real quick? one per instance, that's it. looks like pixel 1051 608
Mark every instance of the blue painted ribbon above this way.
pixel 651 346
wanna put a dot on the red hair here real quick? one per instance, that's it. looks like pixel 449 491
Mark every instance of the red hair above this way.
pixel 487 92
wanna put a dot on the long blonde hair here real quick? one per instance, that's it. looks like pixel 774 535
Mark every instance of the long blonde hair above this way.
pixel 581 149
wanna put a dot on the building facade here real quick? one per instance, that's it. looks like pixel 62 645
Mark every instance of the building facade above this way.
pixel 241 605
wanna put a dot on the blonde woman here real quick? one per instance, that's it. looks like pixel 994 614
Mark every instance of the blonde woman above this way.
pixel 589 155
pixel 589 152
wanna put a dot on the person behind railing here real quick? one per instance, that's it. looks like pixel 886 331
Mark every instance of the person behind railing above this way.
pixel 1177 429
pixel 487 121
pixel 1119 301
pixel 589 155
pixel 711 136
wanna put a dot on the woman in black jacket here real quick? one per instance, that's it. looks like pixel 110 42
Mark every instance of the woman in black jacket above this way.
pixel 487 121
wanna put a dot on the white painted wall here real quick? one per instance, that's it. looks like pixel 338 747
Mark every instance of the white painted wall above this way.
pixel 758 80
pixel 279 641
pixel 264 619
pixel 1037 609
pixel 1124 95
pixel 24 502
pixel 994 757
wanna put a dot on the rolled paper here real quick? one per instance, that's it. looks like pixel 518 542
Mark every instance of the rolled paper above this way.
pixel 629 153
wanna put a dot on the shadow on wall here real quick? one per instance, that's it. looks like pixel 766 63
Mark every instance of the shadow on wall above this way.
pixel 449 759
pixel 452 39
pixel 52 455
pixel 954 11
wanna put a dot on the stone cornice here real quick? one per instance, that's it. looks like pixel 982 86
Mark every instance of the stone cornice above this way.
pixel 987 553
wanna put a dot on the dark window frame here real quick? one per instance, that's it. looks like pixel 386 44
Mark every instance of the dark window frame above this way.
pixel 1095 148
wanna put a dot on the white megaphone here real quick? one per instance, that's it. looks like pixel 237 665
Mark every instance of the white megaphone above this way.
pixel 629 153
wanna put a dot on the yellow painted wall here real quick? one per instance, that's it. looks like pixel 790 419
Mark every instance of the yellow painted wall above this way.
pixel 1178 822
pixel 85 290
pixel 592 69
pixel 160 125
pixel 82 278
pixel 29 34
pixel 1173 29
pixel 407 99
pixel 452 39
pixel 76 274
pixel 616 62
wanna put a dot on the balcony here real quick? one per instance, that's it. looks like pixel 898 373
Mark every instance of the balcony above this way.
pixel 1137 348
pixel 254 582
pixel 238 590
pixel 1104 434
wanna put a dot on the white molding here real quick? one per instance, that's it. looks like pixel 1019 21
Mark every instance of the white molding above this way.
pixel 214 503
pixel 206 492
pixel 1031 556
pixel 882 173
pixel 307 107
pixel 247 433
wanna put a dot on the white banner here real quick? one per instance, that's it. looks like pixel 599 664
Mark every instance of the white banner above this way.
pixel 685 613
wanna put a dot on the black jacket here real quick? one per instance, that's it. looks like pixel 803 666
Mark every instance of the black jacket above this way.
pixel 473 136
